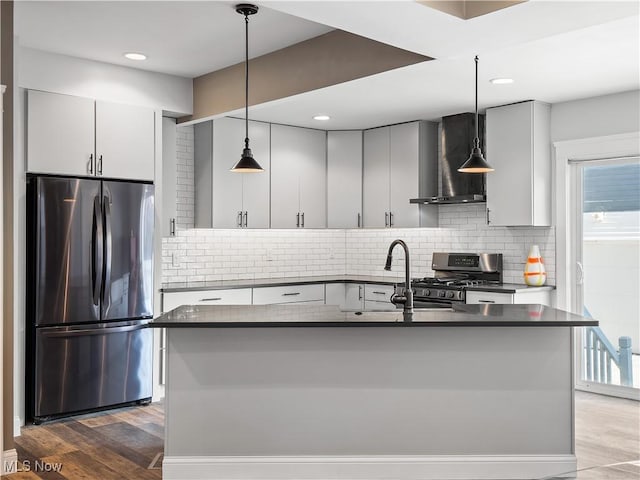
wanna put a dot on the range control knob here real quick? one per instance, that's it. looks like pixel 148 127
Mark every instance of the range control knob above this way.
pixel 441 293
pixel 449 294
pixel 427 292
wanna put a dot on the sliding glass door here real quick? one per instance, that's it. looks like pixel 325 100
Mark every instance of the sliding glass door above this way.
pixel 606 224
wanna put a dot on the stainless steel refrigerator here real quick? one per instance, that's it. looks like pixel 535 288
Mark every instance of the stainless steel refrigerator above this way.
pixel 89 294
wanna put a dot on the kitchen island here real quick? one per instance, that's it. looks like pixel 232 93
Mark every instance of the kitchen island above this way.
pixel 312 392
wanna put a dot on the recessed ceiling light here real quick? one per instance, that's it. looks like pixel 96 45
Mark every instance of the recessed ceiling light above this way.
pixel 322 117
pixel 135 56
pixel 501 81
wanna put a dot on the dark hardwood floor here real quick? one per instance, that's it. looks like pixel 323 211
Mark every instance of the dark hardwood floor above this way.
pixel 127 443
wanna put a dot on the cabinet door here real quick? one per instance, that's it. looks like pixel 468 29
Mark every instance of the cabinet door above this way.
pixel 60 134
pixel 288 294
pixel 233 296
pixel 255 186
pixel 313 178
pixel 286 148
pixel 125 139
pixel 509 151
pixel 375 183
pixel 404 174
pixel 227 145
pixel 344 179
pixel 354 296
pixel 169 171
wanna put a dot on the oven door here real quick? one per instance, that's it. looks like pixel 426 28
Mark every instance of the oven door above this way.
pixel 431 304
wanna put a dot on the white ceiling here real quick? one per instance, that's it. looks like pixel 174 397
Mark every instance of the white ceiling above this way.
pixel 555 51
pixel 179 37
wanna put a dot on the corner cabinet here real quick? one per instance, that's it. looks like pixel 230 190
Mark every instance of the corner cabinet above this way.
pixel 399 164
pixel 519 148
pixel 298 177
pixel 344 179
pixel 71 135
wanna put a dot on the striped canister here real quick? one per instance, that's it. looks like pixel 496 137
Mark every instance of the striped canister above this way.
pixel 534 271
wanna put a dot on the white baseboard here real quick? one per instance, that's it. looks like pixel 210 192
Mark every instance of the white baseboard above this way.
pixel 9 461
pixel 449 467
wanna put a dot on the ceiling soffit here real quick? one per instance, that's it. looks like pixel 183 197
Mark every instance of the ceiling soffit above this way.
pixel 330 59
pixel 466 9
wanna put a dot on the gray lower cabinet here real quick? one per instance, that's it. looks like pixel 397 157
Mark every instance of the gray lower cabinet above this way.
pixel 308 294
pixel 399 164
pixel 298 177
pixel 378 297
pixel 534 296
pixel 344 179
pixel 347 296
pixel 225 199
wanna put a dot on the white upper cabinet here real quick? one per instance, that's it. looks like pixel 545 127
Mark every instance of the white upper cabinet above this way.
pixel 78 136
pixel 344 179
pixel 60 134
pixel 298 177
pixel 400 163
pixel 125 145
pixel 240 200
pixel 169 173
pixel 519 148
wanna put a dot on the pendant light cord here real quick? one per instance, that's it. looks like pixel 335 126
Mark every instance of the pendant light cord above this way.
pixel 477 140
pixel 246 81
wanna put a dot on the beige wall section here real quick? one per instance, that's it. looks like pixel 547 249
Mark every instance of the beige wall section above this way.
pixel 326 60
pixel 468 9
pixel 6 78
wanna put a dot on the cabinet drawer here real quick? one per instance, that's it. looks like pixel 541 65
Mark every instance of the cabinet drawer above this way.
pixel 489 297
pixel 288 294
pixel 378 293
pixel 370 306
pixel 234 296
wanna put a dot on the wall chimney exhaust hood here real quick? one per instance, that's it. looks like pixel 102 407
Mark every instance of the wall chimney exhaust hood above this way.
pixel 458 132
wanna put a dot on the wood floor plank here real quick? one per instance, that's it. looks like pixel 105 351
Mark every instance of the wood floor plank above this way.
pixel 133 438
pixel 39 440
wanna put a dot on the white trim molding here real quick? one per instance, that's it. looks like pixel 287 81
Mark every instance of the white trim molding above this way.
pixel 445 467
pixel 621 145
pixel 9 461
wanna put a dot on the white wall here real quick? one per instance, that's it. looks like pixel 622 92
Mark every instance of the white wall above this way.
pixel 596 116
pixel 52 72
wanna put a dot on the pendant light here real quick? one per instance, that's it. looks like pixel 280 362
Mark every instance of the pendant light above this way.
pixel 476 162
pixel 246 164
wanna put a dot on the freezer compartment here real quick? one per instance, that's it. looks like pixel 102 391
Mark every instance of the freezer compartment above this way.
pixel 91 366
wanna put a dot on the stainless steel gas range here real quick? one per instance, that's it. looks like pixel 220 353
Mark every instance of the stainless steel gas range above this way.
pixel 453 274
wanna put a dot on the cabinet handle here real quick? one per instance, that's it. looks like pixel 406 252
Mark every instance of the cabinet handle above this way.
pixel 379 293
pixel 99 167
pixel 292 294
pixel 90 164
pixel 298 220
pixel 246 217
pixel 172 227
pixel 215 299
pixel 359 292
pixel 386 219
pixel 486 301
pixel 488 220
pixel 239 219
pixel 391 219
pixel 359 220
pixel 302 224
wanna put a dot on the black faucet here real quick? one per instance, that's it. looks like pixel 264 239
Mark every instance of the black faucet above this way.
pixel 407 298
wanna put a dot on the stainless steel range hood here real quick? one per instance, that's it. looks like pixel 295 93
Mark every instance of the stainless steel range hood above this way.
pixel 458 132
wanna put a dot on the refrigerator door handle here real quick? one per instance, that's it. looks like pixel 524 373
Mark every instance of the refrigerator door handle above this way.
pixel 93 331
pixel 96 251
pixel 107 250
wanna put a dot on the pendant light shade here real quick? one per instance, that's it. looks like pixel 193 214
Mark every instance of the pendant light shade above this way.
pixel 476 162
pixel 246 164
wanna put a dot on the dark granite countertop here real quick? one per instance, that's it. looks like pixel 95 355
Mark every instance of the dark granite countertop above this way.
pixel 274 282
pixel 300 315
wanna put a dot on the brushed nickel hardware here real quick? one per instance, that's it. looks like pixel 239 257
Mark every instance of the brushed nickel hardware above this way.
pixel 302 220
pixel 91 164
pixel 298 220
pixel 391 219
pixel 386 219
pixel 246 216
pixel 359 292
pixel 488 220
pixel 239 222
pixel 99 167
pixel 292 294
pixel 210 299
pixel 359 220
pixel 486 301
pixel 380 293
pixel 172 227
